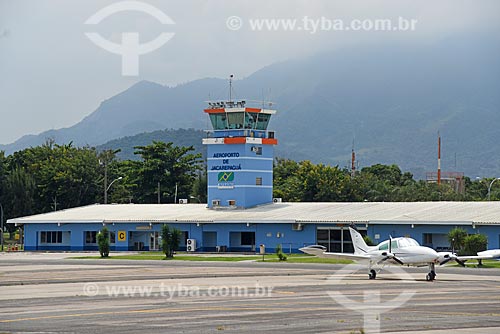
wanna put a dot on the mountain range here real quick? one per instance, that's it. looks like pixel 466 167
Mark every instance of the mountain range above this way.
pixel 387 101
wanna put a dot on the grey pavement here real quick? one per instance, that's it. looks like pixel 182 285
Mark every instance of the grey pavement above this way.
pixel 49 293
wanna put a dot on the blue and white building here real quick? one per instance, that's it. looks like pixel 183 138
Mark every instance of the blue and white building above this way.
pixel 241 214
pixel 293 225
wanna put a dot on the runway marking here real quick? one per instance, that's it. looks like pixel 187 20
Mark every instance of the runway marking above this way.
pixel 76 315
pixel 270 307
pixel 170 310
pixel 284 292
pixel 458 313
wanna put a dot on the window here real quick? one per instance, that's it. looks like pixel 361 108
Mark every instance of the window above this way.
pixel 262 121
pixel 427 238
pixel 184 237
pixel 256 149
pixel 90 237
pixel 219 121
pixel 247 238
pixel 235 120
pixel 258 181
pixel 51 237
pixel 112 237
pixel 384 245
pixel 231 202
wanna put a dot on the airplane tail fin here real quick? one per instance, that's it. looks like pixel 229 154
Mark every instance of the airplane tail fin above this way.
pixel 359 244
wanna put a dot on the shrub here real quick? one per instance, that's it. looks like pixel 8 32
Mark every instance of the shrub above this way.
pixel 103 242
pixel 368 241
pixel 170 240
pixel 279 252
pixel 474 243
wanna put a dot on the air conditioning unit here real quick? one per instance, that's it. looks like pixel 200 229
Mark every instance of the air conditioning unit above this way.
pixel 183 201
pixel 297 227
pixel 191 245
pixel 277 200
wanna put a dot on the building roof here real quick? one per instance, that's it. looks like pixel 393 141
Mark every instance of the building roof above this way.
pixel 361 212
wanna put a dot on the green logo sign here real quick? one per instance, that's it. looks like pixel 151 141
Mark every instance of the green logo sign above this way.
pixel 225 176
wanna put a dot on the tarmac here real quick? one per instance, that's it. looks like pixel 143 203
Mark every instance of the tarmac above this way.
pixel 52 293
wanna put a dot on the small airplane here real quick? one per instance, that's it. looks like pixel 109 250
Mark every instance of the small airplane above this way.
pixel 400 251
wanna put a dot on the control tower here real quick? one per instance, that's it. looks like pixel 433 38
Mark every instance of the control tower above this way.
pixel 240 153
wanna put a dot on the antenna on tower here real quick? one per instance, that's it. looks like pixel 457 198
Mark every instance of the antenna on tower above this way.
pixel 231 88
pixel 439 159
pixel 353 160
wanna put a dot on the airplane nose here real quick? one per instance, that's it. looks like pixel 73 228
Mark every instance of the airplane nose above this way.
pixel 433 255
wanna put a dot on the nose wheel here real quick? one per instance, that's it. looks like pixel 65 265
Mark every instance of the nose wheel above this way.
pixel 372 274
pixel 431 276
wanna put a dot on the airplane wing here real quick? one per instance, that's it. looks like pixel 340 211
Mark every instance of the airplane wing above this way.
pixel 320 251
pixel 485 255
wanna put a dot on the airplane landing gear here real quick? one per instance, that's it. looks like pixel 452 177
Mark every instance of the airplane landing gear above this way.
pixel 372 274
pixel 431 276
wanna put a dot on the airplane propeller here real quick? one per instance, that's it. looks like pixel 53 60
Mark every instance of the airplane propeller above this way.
pixel 390 254
pixel 452 256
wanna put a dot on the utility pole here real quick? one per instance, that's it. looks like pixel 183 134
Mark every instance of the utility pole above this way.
pixel 1 220
pixel 175 197
pixel 105 181
pixel 439 160
pixel 158 192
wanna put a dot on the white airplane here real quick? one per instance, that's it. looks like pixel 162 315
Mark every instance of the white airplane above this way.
pixel 400 251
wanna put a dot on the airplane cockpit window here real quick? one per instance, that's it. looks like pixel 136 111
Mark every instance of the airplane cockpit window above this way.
pixel 413 242
pixel 384 245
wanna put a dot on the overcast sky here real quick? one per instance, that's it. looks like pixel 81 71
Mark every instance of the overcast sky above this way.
pixel 52 75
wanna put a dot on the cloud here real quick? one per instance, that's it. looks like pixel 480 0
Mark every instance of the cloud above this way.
pixel 4 33
pixel 52 75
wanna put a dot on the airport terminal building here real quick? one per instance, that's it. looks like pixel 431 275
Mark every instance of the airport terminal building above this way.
pixel 241 214
pixel 293 225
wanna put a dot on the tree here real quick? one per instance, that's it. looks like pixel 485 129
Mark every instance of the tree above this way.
pixel 200 187
pixel 103 241
pixel 171 167
pixel 456 238
pixel 3 172
pixel 474 243
pixel 390 174
pixel 64 176
pixel 19 195
pixel 170 240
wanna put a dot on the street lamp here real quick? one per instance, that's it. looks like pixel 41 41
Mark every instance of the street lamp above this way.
pixel 195 197
pixel 107 188
pixel 489 187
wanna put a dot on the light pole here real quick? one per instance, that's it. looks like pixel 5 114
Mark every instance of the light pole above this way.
pixel 489 187
pixel 107 188
pixel 1 220
pixel 195 197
